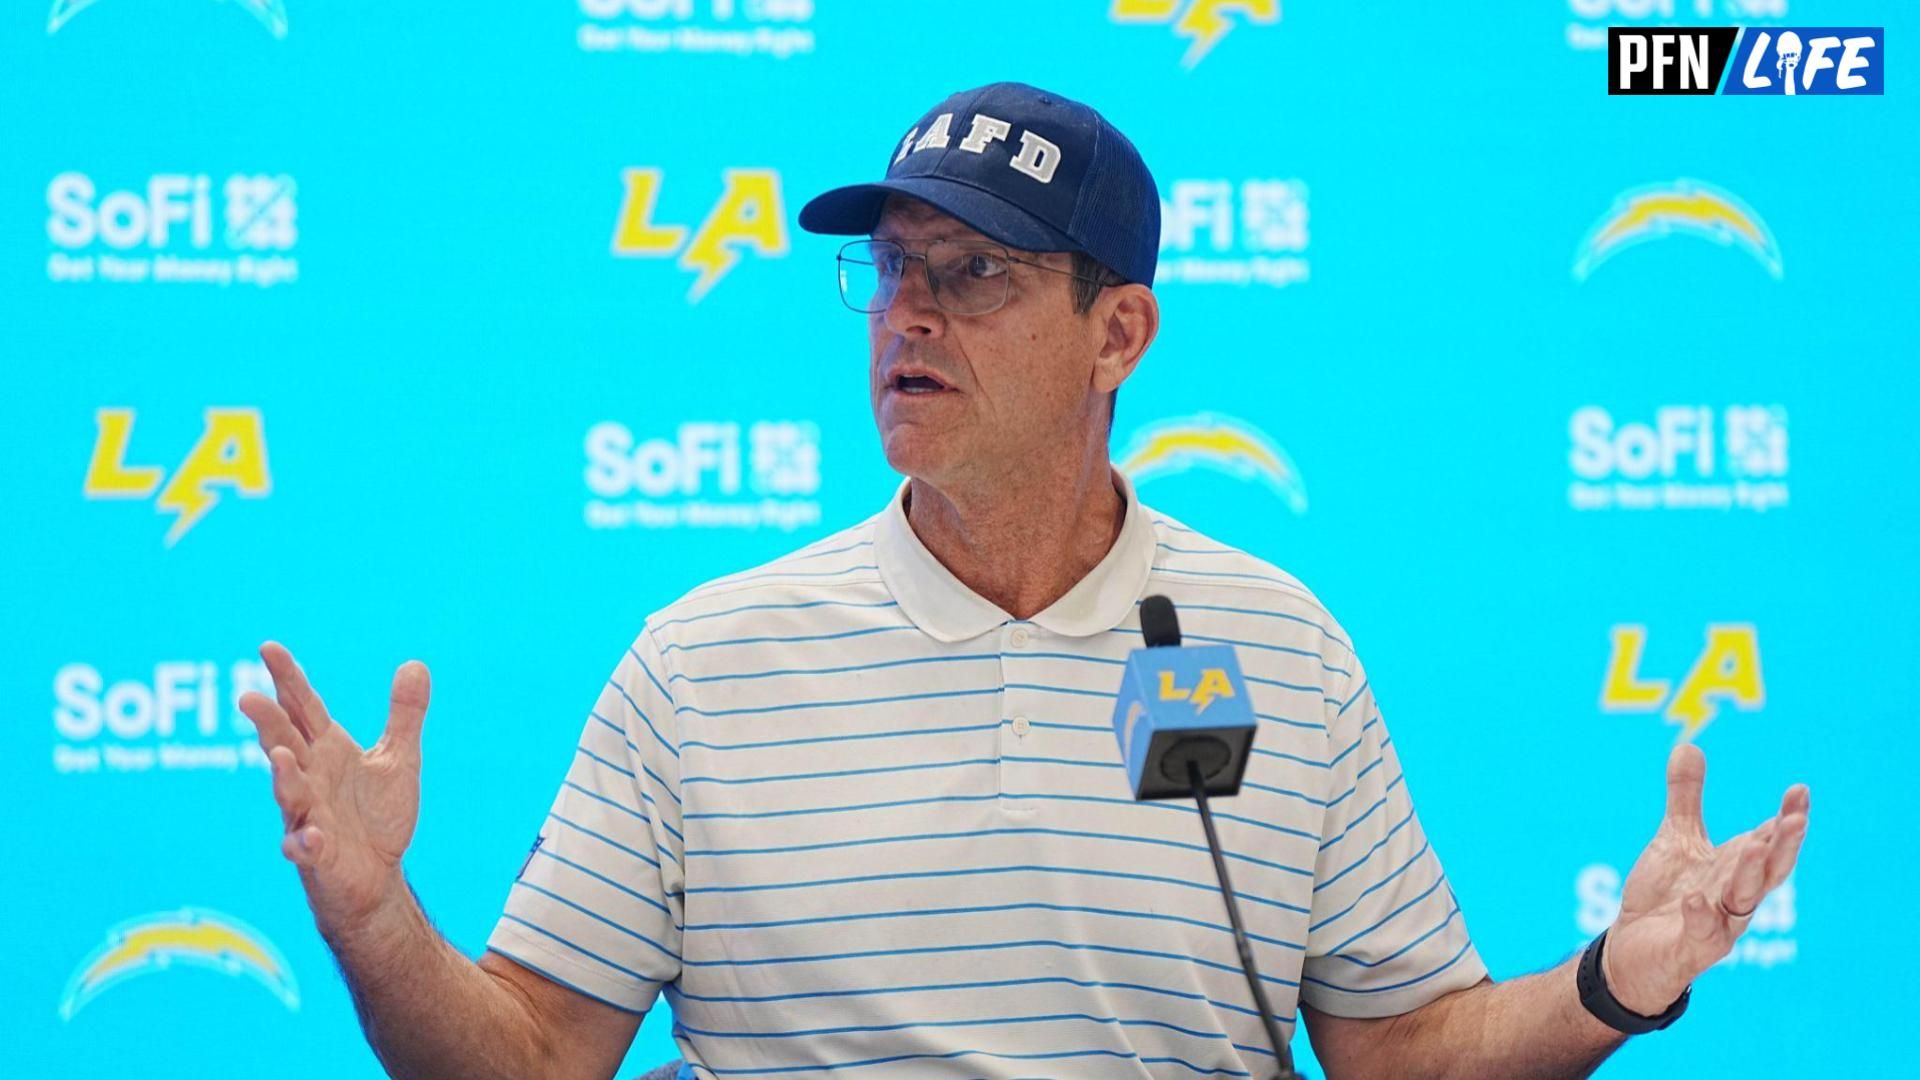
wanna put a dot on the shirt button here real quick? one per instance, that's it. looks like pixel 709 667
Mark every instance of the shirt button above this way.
pixel 1020 637
pixel 1020 726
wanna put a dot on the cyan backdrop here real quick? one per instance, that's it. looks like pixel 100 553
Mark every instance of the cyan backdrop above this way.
pixel 475 332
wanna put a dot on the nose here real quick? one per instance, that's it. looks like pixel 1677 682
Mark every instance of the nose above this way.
pixel 912 310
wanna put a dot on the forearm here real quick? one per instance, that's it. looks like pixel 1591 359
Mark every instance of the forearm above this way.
pixel 1531 1028
pixel 427 1010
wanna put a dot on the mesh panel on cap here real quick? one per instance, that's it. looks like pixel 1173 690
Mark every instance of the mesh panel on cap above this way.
pixel 1105 218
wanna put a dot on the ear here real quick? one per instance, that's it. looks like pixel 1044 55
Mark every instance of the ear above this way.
pixel 1129 315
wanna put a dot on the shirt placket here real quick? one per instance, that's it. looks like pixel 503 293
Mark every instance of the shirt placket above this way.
pixel 1020 709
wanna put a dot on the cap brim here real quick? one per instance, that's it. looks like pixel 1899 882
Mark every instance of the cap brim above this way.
pixel 855 209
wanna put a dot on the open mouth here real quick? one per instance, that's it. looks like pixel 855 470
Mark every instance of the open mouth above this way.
pixel 918 384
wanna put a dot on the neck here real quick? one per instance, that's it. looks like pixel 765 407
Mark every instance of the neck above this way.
pixel 1025 538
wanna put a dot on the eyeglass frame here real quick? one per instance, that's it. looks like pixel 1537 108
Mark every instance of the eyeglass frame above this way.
pixel 988 246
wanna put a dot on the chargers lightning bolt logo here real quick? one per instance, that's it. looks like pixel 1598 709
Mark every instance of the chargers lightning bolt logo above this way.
pixel 231 452
pixel 151 944
pixel 1213 684
pixel 1686 207
pixel 1727 670
pixel 271 13
pixel 1204 22
pixel 747 214
pixel 1214 442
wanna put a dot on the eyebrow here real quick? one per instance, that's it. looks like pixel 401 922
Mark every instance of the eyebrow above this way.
pixel 882 232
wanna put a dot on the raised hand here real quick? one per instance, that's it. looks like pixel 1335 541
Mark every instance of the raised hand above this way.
pixel 1687 901
pixel 349 813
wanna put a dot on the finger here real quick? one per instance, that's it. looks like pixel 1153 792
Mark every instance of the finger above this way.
pixel 304 846
pixel 407 708
pixel 1797 800
pixel 271 724
pixel 1686 775
pixel 1784 851
pixel 278 660
pixel 1748 883
pixel 295 692
pixel 291 788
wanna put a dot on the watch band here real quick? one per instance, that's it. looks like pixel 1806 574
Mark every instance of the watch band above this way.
pixel 1600 1001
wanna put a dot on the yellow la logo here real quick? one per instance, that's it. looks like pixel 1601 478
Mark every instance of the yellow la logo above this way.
pixel 1728 668
pixel 1213 684
pixel 1204 21
pixel 231 451
pixel 748 214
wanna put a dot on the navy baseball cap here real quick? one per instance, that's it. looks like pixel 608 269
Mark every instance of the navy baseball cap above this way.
pixel 1028 168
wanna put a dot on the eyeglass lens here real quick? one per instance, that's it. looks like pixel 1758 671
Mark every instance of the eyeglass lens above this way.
pixel 965 277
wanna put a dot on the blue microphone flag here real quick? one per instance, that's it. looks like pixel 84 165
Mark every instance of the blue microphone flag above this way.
pixel 1179 704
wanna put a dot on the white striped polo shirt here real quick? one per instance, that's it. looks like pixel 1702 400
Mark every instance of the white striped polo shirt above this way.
pixel 854 818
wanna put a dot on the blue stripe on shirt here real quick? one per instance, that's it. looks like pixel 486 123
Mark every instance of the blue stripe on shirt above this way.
pixel 775 607
pixel 986 946
pixel 975 833
pixel 861 879
pixel 876 666
pixel 986 909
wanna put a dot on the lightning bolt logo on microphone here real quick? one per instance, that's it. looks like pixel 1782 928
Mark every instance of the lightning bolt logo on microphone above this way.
pixel 1213 684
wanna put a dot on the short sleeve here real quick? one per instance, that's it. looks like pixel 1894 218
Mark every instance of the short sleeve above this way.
pixel 1386 935
pixel 599 904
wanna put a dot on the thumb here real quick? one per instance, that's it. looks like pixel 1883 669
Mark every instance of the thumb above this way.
pixel 407 708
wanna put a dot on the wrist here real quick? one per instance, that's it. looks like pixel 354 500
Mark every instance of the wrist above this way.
pixel 390 917
pixel 1641 996
pixel 1601 1000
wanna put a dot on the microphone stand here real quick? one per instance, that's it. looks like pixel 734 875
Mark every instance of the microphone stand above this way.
pixel 1284 1069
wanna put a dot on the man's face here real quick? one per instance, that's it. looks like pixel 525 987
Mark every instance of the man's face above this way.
pixel 1011 383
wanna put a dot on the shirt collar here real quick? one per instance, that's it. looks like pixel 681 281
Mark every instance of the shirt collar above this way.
pixel 947 610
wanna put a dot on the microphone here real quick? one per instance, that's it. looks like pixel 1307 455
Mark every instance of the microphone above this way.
pixel 1185 726
pixel 1180 706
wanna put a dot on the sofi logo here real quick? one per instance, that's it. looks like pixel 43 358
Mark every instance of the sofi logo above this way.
pixel 1223 232
pixel 1726 671
pixel 176 715
pixel 747 216
pixel 1685 457
pixel 176 227
pixel 707 474
pixel 773 29
pixel 230 454
pixel 1202 22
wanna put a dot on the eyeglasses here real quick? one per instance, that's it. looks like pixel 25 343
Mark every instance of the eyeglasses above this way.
pixel 966 277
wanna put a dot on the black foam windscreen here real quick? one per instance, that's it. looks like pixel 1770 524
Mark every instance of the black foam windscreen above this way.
pixel 1158 623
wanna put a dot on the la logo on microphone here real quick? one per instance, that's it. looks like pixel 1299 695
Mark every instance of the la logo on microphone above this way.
pixel 1213 684
pixel 1730 60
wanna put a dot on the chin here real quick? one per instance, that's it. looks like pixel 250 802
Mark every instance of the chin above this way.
pixel 918 454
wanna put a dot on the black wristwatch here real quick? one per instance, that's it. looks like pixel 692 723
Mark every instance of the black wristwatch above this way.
pixel 1601 1003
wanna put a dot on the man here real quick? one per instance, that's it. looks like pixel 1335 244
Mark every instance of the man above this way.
pixel 861 811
